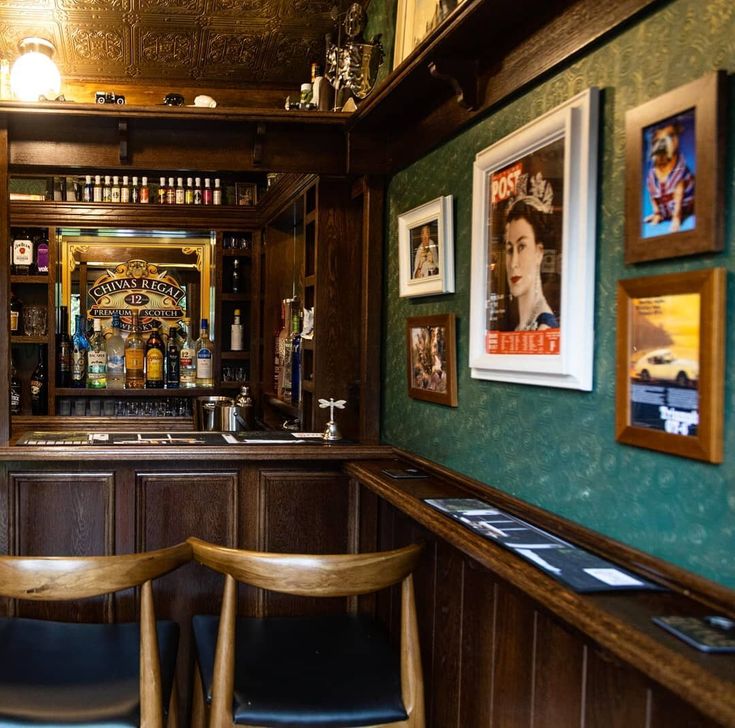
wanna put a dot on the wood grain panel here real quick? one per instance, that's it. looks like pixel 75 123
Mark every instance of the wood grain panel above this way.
pixel 513 659
pixel 302 511
pixel 616 697
pixel 63 514
pixel 669 711
pixel 558 675
pixel 4 288
pixel 478 636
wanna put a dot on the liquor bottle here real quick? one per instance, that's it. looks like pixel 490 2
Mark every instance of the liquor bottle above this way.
pixel 197 191
pixel 170 192
pixel 207 194
pixel 107 189
pixel 79 348
pixel 295 355
pixel 15 391
pixel 284 349
pixel 187 358
pixel 172 360
pixel 22 254
pixel 155 356
pixel 162 191
pixel 135 191
pixel 125 190
pixel 180 195
pixel 16 314
pixel 63 349
pixel 115 189
pixel 189 192
pixel 88 191
pixel 41 240
pixel 236 332
pixel 145 192
pixel 235 278
pixel 217 193
pixel 204 357
pixel 39 385
pixel 134 357
pixel 97 189
pixel 97 358
pixel 278 341
pixel 116 356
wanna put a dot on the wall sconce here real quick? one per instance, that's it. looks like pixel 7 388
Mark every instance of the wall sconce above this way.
pixel 34 73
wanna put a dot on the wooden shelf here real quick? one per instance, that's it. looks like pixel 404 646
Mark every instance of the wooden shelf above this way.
pixel 28 339
pixel 41 280
pixel 135 393
pixel 235 355
pixel 21 423
pixel 236 253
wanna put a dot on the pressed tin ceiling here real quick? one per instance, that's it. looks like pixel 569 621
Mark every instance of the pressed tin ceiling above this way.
pixel 200 42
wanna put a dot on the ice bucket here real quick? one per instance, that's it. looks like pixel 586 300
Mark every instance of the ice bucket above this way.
pixel 207 412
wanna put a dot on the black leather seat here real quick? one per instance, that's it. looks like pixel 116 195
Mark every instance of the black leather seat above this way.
pixel 55 673
pixel 320 671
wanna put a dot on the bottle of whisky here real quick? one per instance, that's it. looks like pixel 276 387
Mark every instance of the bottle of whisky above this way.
pixel 236 332
pixel 116 356
pixel 180 194
pixel 97 358
pixel 187 358
pixel 39 385
pixel 16 314
pixel 134 357
pixel 79 349
pixel 155 357
pixel 22 254
pixel 172 360
pixel 204 357
pixel 15 400
pixel 63 349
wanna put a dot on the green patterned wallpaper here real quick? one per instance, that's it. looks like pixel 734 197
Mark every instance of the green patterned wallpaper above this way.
pixel 552 447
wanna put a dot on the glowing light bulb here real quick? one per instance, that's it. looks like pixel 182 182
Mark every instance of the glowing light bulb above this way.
pixel 34 73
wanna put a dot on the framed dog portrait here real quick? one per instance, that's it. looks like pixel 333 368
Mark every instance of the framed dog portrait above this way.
pixel 426 249
pixel 533 250
pixel 432 358
pixel 674 172
pixel 246 193
pixel 670 363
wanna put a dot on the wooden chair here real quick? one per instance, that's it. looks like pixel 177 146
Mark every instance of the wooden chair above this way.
pixel 318 671
pixel 52 673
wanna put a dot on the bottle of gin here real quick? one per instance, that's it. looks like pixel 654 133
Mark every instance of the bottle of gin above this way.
pixel 204 357
pixel 172 360
pixel 134 357
pixel 116 356
pixel 79 349
pixel 187 359
pixel 97 358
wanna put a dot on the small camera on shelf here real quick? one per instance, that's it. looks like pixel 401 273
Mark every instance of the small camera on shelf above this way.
pixel 108 97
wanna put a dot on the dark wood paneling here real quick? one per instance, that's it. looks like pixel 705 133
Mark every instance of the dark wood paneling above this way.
pixel 4 288
pixel 558 675
pixel 668 711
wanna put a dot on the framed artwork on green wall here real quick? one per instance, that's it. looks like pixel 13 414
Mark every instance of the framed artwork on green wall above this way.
pixel 670 363
pixel 533 250
pixel 426 249
pixel 415 19
pixel 432 358
pixel 674 172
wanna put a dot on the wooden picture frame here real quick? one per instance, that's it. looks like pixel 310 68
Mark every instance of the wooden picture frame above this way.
pixel 670 363
pixel 533 250
pixel 246 193
pixel 431 348
pixel 426 249
pixel 674 160
pixel 415 19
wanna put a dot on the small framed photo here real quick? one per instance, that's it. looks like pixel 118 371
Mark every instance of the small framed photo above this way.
pixel 432 358
pixel 674 162
pixel 426 249
pixel 246 193
pixel 670 363
pixel 533 250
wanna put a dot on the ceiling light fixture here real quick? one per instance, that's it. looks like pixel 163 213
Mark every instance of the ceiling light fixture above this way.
pixel 34 73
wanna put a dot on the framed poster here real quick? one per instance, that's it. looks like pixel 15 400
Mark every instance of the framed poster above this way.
pixel 533 250
pixel 426 249
pixel 670 363
pixel 674 162
pixel 246 193
pixel 415 19
pixel 432 359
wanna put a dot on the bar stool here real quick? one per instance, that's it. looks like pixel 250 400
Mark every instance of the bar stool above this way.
pixel 307 671
pixel 56 673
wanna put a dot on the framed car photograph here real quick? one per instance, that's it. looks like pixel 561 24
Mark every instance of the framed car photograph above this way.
pixel 432 359
pixel 674 162
pixel 246 193
pixel 670 363
pixel 426 249
pixel 533 250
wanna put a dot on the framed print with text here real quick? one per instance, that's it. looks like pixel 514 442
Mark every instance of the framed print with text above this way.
pixel 674 163
pixel 533 250
pixel 432 358
pixel 426 249
pixel 670 363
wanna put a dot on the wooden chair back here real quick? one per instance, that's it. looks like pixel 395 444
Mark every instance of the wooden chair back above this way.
pixel 332 575
pixel 47 578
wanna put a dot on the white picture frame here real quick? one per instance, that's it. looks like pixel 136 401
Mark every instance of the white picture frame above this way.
pixel 544 334
pixel 426 249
